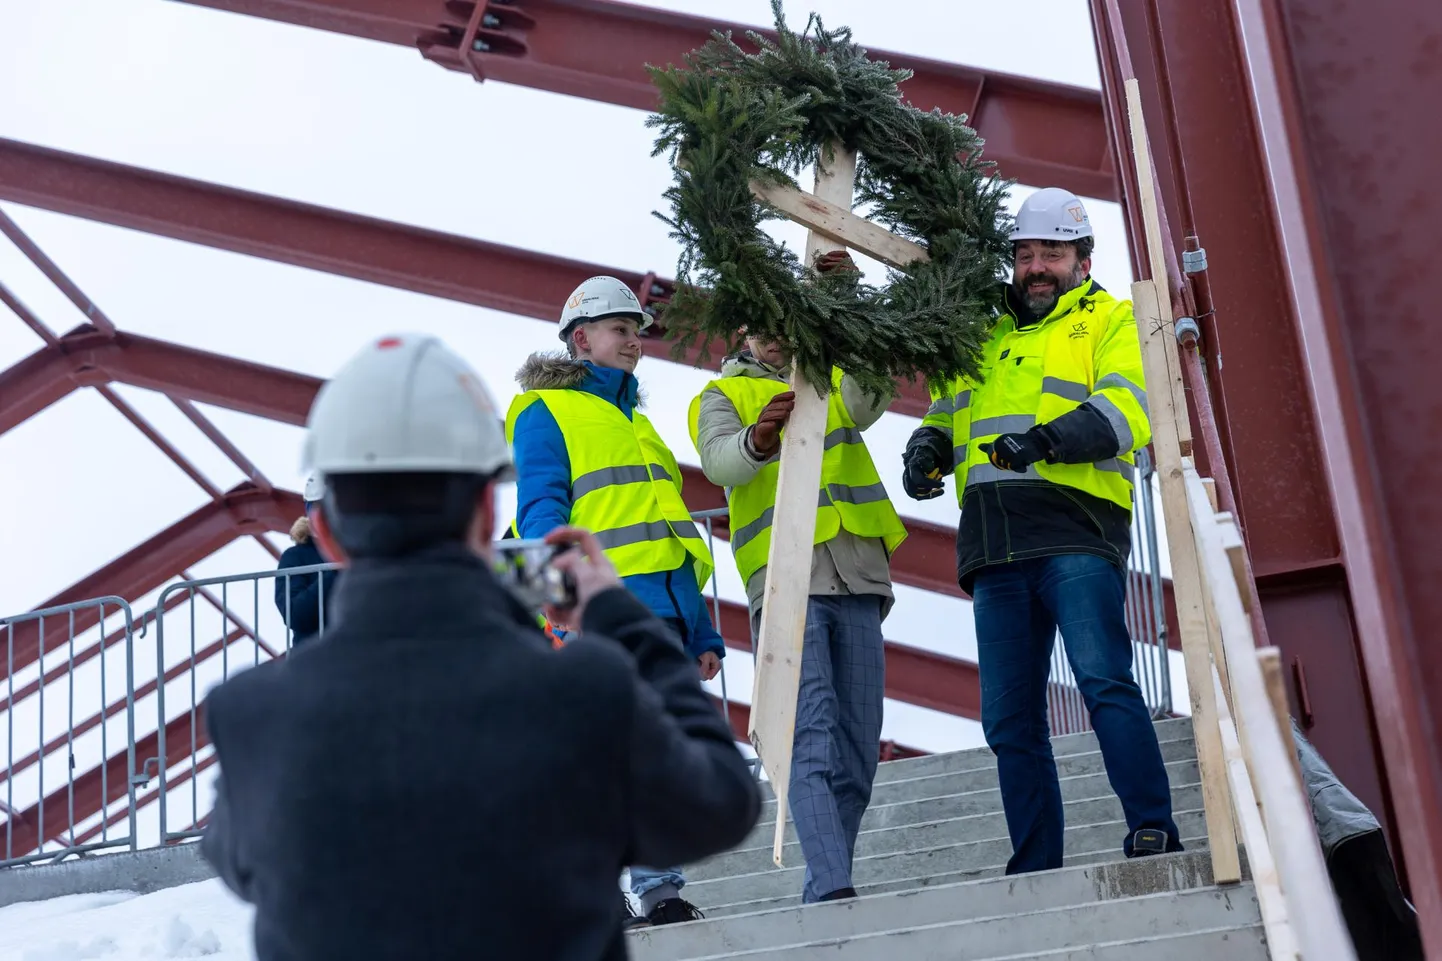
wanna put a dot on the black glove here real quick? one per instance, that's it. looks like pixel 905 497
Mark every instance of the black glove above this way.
pixel 1017 452
pixel 922 477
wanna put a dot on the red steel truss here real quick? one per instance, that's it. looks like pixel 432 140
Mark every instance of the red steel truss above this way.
pixel 1038 132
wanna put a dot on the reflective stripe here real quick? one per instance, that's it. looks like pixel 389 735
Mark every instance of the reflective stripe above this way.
pixel 942 405
pixel 963 400
pixel 1105 406
pixel 608 476
pixel 958 457
pixel 747 533
pixel 1117 380
pixel 1005 424
pixel 842 435
pixel 645 531
pixel 1069 389
pixel 988 472
pixel 1116 465
pixel 869 494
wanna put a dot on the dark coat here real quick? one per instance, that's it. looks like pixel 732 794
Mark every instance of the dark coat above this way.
pixel 430 779
pixel 304 600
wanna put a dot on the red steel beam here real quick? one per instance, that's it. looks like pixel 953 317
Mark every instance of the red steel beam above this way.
pixel 1342 178
pixel 1038 132
pixel 913 675
pixel 362 248
pixel 1213 169
pixel 242 510
pixel 149 797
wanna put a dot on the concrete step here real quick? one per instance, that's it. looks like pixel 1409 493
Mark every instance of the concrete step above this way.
pixel 1244 943
pixel 772 882
pixel 878 813
pixel 982 794
pixel 918 882
pixel 952 832
pixel 988 897
pixel 932 813
pixel 1172 729
pixel 1027 933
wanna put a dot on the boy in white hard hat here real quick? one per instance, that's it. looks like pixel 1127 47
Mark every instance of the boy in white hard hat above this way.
pixel 416 784
pixel 1043 447
pixel 586 455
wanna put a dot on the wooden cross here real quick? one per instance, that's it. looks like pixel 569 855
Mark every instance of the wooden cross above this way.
pixel 827 214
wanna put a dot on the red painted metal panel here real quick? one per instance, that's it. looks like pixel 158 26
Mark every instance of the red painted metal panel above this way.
pixel 1038 132
pixel 1340 90
pixel 362 248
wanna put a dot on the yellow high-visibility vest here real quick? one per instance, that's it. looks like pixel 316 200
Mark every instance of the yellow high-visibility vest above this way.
pixel 852 496
pixel 625 484
pixel 1084 351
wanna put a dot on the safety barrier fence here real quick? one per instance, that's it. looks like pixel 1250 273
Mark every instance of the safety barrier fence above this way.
pixel 80 746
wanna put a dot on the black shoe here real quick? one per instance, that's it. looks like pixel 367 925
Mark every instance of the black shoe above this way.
pixel 839 894
pixel 629 917
pixel 674 910
pixel 1149 841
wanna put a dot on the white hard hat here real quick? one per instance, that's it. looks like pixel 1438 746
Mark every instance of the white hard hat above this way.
pixel 1051 214
pixel 598 298
pixel 314 487
pixel 406 404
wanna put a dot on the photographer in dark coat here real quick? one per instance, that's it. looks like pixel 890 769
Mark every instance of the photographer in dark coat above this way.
pixel 435 781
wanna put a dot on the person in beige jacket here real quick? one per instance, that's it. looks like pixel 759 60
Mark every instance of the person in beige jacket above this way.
pixel 839 705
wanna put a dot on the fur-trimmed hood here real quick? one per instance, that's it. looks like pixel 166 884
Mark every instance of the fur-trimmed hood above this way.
pixel 300 530
pixel 554 370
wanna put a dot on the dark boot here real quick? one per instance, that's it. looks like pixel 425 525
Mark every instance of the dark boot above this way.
pixel 673 911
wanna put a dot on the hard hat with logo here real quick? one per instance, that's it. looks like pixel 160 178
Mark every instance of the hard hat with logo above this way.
pixel 314 488
pixel 406 404
pixel 598 298
pixel 1051 214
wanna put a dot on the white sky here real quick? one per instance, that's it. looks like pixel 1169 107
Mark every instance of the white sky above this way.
pixel 374 129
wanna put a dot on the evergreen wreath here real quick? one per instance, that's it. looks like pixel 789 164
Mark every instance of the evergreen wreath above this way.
pixel 729 117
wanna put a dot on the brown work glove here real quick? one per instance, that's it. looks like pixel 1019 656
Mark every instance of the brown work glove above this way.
pixel 835 260
pixel 766 433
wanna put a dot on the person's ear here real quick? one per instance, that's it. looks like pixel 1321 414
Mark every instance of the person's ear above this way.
pixel 581 339
pixel 325 539
pixel 483 521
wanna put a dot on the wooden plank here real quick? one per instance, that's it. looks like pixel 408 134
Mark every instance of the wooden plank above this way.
pixel 1281 940
pixel 1230 539
pixel 1163 323
pixel 1187 588
pixel 835 222
pixel 1287 814
pixel 788 565
pixel 1269 659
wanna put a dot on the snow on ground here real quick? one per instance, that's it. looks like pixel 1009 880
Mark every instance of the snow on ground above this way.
pixel 200 920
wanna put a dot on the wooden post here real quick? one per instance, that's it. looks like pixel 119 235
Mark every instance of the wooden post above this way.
pixel 788 565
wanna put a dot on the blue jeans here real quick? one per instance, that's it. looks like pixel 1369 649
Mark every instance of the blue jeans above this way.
pixel 837 743
pixel 1019 608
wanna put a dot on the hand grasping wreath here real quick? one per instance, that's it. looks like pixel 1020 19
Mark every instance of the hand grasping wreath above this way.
pixel 732 119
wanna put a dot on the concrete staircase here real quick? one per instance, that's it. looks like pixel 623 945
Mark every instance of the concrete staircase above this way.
pixel 929 872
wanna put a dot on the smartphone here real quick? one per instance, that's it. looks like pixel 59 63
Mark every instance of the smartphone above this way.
pixel 525 567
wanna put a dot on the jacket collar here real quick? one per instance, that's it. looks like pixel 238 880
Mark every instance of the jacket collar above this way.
pixel 445 590
pixel 617 386
pixel 1076 298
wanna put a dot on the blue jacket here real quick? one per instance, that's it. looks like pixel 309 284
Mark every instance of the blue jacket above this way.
pixel 543 489
pixel 299 596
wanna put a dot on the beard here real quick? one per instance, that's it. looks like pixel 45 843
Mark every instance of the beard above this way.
pixel 1042 300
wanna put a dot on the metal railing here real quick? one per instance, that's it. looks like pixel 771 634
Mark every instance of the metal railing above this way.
pixel 48 828
pixel 1145 617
